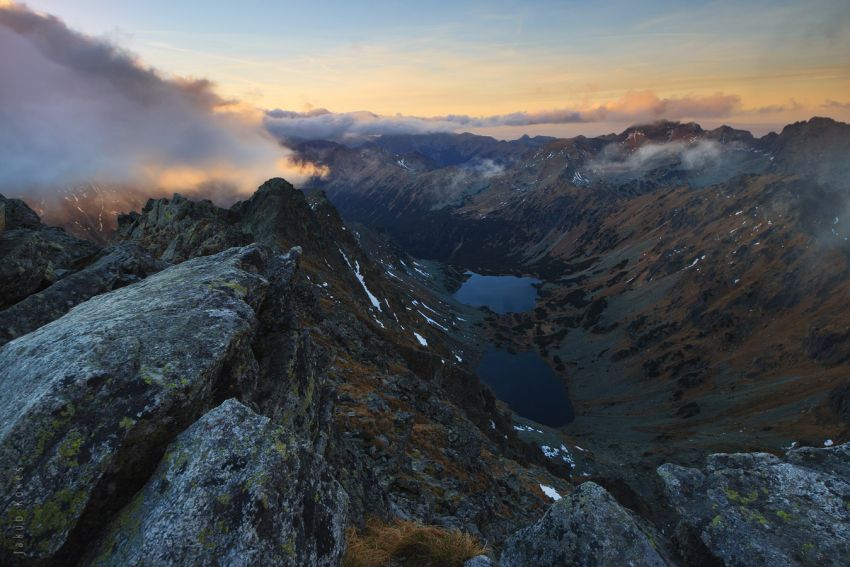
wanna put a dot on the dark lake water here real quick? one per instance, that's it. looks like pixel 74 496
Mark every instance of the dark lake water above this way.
pixel 528 385
pixel 502 294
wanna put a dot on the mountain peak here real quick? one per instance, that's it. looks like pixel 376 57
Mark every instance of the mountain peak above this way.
pixel 660 131
pixel 814 126
pixel 276 184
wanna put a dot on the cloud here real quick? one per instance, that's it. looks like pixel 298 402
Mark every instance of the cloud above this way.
pixel 690 156
pixel 486 167
pixel 646 105
pixel 76 109
pixel 635 106
pixel 791 106
pixel 321 124
pixel 836 104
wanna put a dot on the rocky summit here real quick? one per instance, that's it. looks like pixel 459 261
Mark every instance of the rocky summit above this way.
pixel 245 386
pixel 185 396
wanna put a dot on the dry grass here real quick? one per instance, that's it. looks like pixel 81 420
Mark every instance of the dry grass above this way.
pixel 409 544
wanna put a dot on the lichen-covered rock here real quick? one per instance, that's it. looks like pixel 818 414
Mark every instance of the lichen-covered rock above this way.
pixel 586 528
pixel 277 215
pixel 177 229
pixel 478 561
pixel 117 266
pixel 89 402
pixel 406 436
pixel 758 509
pixel 14 213
pixel 31 258
pixel 234 489
pixel 289 387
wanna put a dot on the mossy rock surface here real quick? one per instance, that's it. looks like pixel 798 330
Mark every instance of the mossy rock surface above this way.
pixel 89 402
pixel 34 256
pixel 588 527
pixel 234 489
pixel 114 267
pixel 760 509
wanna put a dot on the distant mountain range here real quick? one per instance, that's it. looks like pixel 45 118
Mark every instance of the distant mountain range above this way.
pixel 696 281
pixel 453 192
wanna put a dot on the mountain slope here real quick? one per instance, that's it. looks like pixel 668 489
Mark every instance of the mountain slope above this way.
pixel 236 394
pixel 695 281
pixel 319 340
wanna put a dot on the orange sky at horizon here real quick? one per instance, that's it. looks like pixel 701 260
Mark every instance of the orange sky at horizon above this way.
pixel 784 61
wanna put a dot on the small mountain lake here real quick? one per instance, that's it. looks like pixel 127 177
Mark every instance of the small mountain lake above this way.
pixel 527 383
pixel 502 294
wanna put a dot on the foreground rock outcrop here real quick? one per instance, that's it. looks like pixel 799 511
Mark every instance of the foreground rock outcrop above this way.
pixel 115 267
pixel 33 255
pixel 234 489
pixel 89 402
pixel 586 528
pixel 177 229
pixel 746 509
pixel 758 509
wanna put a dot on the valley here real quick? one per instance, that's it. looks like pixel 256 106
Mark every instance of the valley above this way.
pixel 655 256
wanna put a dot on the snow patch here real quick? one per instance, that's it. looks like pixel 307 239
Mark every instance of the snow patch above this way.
pixel 375 303
pixel 415 302
pixel 561 453
pixel 550 492
pixel 527 428
pixel 404 164
pixel 694 263
pixel 432 322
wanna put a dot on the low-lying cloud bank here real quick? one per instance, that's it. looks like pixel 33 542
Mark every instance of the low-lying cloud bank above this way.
pixel 77 110
pixel 635 106
pixel 615 158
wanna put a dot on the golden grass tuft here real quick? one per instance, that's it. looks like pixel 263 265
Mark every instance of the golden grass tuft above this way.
pixel 409 544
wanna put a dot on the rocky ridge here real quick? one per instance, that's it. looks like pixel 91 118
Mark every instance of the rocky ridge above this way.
pixel 112 388
pixel 241 392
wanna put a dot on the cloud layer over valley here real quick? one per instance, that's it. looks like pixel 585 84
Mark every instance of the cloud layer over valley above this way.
pixel 634 107
pixel 76 110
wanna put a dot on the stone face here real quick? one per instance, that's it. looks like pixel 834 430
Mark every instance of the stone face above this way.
pixel 89 402
pixel 36 258
pixel 234 489
pixel 177 229
pixel 586 528
pixel 116 267
pixel 14 213
pixel 33 255
pixel 478 561
pixel 277 214
pixel 759 509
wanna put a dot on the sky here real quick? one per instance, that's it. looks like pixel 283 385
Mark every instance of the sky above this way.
pixel 782 61
pixel 176 94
